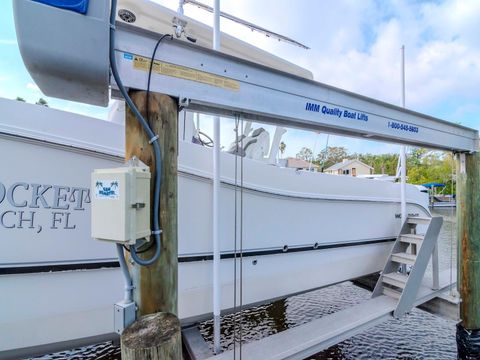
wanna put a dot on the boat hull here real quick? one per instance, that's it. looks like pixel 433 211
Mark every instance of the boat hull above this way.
pixel 301 231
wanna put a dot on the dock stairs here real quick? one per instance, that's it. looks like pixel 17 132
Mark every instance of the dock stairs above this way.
pixel 407 262
pixel 400 287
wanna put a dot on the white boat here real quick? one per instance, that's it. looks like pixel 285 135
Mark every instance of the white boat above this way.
pixel 301 230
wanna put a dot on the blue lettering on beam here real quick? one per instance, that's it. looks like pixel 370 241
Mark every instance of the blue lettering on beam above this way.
pixel 336 111
pixel 332 111
pixel 312 107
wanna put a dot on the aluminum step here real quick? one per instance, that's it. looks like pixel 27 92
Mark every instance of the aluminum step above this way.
pixel 391 293
pixel 399 285
pixel 412 239
pixel 395 279
pixel 404 258
pixel 418 220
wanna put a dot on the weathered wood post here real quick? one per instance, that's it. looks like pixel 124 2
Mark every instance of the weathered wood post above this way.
pixel 156 286
pixel 154 336
pixel 468 231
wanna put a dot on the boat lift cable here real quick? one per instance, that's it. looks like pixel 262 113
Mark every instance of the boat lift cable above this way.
pixel 452 222
pixel 238 239
pixel 241 236
pixel 237 150
pixel 153 140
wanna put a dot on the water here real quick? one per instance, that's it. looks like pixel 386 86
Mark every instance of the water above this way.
pixel 103 351
pixel 419 335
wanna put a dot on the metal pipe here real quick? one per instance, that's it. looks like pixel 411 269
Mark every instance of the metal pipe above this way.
pixel 435 268
pixel 403 160
pixel 128 298
pixel 180 6
pixel 216 200
pixel 403 184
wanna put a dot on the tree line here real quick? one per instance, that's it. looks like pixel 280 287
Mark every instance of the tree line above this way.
pixel 423 165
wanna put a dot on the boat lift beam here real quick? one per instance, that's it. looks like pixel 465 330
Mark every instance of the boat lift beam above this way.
pixel 212 82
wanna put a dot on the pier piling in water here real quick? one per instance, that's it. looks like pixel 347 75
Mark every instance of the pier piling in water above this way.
pixel 468 231
pixel 156 286
pixel 155 336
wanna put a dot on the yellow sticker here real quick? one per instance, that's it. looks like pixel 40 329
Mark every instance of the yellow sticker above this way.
pixel 182 72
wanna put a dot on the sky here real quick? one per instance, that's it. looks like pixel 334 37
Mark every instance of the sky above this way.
pixel 355 45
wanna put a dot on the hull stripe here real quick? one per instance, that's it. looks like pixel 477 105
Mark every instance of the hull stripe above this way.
pixel 181 259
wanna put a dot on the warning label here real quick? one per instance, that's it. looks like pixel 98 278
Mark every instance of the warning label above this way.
pixel 182 72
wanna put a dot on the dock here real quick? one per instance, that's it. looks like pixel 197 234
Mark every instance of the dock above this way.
pixel 310 338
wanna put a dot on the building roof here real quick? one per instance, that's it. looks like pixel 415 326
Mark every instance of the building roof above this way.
pixel 346 163
pixel 299 163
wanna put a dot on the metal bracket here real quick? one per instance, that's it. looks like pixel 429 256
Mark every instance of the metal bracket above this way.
pixel 183 102
pixel 138 205
pixel 179 25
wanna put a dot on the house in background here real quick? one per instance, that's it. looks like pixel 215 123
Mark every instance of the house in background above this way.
pixel 298 164
pixel 350 167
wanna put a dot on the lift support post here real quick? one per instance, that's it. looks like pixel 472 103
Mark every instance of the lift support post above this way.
pixel 156 334
pixel 468 234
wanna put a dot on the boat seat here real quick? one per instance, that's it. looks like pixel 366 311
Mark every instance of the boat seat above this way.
pixel 255 146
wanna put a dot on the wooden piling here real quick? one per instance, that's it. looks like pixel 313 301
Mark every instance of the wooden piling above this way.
pixel 156 286
pixel 468 231
pixel 154 336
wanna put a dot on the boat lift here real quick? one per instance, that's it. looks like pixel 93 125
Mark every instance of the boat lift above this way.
pixel 76 68
pixel 209 81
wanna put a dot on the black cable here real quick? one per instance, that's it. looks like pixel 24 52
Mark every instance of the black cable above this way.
pixel 152 59
pixel 151 243
pixel 156 232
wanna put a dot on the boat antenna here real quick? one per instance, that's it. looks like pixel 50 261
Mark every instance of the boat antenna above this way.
pixel 326 153
pixel 313 152
pixel 248 24
pixel 180 6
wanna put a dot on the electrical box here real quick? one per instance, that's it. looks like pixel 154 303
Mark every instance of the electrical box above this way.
pixel 121 204
pixel 123 315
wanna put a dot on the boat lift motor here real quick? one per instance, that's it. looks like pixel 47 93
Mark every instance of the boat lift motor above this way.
pixel 75 64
